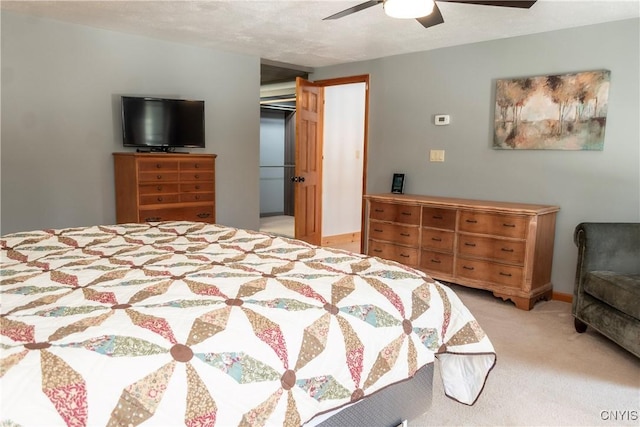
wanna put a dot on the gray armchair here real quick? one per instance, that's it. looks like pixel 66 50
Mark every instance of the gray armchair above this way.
pixel 606 295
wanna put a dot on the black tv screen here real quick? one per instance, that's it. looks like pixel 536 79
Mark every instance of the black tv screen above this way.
pixel 160 123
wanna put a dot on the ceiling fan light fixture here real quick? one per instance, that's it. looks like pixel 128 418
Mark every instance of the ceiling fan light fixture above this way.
pixel 408 9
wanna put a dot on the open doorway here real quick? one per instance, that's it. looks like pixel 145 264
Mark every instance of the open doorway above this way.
pixel 277 167
pixel 277 145
pixel 344 161
pixel 343 154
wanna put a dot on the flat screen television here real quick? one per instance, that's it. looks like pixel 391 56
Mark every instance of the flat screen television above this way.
pixel 161 124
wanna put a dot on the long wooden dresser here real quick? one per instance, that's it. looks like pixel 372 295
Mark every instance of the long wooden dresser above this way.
pixel 506 248
pixel 164 187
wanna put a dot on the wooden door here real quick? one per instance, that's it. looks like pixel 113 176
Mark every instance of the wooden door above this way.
pixel 308 175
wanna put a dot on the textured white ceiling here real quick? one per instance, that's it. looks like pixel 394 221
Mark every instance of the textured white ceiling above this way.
pixel 293 31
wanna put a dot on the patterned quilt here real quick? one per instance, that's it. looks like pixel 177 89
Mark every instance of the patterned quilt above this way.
pixel 183 323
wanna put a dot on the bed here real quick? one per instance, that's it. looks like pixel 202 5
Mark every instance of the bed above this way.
pixel 186 323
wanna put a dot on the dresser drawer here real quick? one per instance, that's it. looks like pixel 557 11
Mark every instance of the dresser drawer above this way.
pixel 195 213
pixel 437 239
pixel 196 176
pixel 395 213
pixel 192 187
pixel 403 234
pixel 156 199
pixel 489 272
pixel 158 189
pixel 436 261
pixel 490 248
pixel 158 176
pixel 439 218
pixel 150 165
pixel 204 165
pixel 404 255
pixel 496 224
pixel 197 197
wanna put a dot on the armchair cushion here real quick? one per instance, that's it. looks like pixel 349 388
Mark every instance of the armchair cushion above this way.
pixel 620 291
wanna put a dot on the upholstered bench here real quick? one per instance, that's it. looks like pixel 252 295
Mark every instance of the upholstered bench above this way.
pixel 607 286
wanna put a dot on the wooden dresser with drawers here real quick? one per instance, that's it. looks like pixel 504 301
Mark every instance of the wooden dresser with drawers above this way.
pixel 154 187
pixel 503 247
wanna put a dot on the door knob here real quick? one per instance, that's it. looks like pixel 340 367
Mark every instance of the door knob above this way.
pixel 297 179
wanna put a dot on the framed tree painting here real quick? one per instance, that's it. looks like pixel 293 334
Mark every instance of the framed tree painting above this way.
pixel 555 112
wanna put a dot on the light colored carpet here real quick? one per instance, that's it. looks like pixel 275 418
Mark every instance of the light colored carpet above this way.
pixel 546 373
pixel 281 225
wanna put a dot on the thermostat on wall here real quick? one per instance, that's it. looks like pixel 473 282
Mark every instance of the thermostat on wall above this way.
pixel 441 119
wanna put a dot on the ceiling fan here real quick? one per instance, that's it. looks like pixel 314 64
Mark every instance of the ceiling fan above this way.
pixel 427 13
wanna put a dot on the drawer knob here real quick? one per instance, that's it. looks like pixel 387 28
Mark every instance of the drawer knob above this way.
pixel 152 219
pixel 405 234
pixel 468 268
pixel 197 197
pixel 377 230
pixel 196 176
pixel 437 217
pixel 159 187
pixel 159 199
pixel 204 215
pixel 377 250
pixel 506 250
pixel 197 166
pixel 473 245
pixel 505 274
pixel 509 225
pixel 436 239
pixel 197 187
pixel 404 255
pixel 379 210
pixel 472 221
pixel 436 261
pixel 406 213
pixel 159 176
pixel 158 165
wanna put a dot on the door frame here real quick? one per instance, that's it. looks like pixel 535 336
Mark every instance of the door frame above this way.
pixel 362 78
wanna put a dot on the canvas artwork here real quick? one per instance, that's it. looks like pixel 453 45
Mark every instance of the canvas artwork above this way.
pixel 555 112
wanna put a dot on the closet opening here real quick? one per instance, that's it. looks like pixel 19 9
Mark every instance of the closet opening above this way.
pixel 277 145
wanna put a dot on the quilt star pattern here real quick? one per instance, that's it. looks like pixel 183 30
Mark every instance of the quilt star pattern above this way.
pixel 186 323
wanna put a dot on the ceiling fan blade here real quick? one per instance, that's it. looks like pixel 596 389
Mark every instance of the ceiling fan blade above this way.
pixel 354 9
pixel 434 18
pixel 501 3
